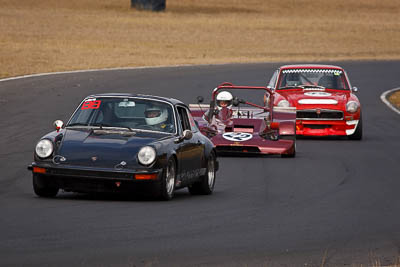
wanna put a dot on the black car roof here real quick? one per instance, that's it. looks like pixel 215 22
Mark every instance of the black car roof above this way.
pixel 167 99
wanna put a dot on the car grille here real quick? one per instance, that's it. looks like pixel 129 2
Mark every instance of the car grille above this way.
pixel 319 114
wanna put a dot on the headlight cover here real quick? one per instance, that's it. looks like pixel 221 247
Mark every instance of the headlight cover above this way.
pixel 283 104
pixel 146 155
pixel 44 148
pixel 352 106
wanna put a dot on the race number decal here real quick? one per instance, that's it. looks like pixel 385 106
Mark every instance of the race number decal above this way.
pixel 238 137
pixel 91 104
pixel 317 94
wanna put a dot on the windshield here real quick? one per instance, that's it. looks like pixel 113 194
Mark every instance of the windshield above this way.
pixel 326 78
pixel 128 113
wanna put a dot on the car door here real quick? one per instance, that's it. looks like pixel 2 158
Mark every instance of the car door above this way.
pixel 190 151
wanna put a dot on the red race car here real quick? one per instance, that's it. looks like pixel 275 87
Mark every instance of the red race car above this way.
pixel 323 97
pixel 237 126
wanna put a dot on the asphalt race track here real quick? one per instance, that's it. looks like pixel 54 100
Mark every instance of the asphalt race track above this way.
pixel 337 203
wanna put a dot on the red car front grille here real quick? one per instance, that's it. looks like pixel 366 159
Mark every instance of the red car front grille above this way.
pixel 319 114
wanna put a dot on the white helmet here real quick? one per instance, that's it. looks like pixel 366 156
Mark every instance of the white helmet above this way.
pixel 224 97
pixel 155 115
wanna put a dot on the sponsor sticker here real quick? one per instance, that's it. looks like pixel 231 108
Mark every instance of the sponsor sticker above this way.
pixel 91 104
pixel 237 137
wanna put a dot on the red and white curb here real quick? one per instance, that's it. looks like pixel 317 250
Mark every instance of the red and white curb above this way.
pixel 384 98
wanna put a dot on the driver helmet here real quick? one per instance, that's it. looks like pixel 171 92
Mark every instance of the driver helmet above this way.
pixel 224 99
pixel 155 115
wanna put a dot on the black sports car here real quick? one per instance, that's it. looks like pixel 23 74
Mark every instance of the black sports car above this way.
pixel 123 143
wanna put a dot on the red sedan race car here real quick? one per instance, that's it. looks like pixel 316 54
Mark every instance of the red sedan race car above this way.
pixel 237 126
pixel 323 97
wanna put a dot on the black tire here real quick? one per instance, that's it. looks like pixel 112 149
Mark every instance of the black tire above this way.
pixel 206 184
pixel 357 135
pixel 168 180
pixel 293 153
pixel 42 187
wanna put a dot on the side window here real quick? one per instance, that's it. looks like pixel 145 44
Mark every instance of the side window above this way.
pixel 193 124
pixel 273 79
pixel 185 119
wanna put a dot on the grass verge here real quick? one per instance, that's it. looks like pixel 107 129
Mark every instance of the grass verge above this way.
pixel 58 35
pixel 395 99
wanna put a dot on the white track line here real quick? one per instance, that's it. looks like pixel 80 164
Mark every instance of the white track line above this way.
pixel 384 99
pixel 107 69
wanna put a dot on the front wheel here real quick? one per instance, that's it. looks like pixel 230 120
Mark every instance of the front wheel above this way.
pixel 168 180
pixel 206 184
pixel 43 187
pixel 357 135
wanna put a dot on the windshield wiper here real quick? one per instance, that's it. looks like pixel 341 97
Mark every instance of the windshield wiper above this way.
pixel 101 125
pixel 289 87
pixel 77 124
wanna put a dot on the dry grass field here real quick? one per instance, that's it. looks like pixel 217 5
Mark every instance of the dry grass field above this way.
pixel 59 35
pixel 395 99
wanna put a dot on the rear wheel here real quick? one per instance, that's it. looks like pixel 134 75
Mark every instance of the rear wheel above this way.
pixel 168 180
pixel 43 187
pixel 206 184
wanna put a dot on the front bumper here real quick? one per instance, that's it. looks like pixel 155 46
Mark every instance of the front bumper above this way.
pixel 326 127
pixel 87 179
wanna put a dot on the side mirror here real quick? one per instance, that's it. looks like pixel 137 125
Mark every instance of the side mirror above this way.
pixel 270 87
pixel 200 99
pixel 58 124
pixel 235 102
pixel 187 134
pixel 355 89
pixel 274 125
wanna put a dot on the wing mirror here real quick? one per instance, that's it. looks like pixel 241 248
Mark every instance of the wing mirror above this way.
pixel 236 101
pixel 200 99
pixel 58 124
pixel 355 89
pixel 186 135
pixel 274 125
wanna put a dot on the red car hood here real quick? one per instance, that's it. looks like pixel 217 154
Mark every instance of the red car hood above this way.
pixel 305 99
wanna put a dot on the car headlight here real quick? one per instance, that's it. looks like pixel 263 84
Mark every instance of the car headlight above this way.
pixel 352 106
pixel 147 155
pixel 44 148
pixel 283 104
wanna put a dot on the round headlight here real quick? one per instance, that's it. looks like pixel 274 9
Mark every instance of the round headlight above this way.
pixel 44 148
pixel 283 104
pixel 147 155
pixel 352 106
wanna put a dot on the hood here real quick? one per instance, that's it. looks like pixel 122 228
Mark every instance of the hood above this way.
pixel 303 99
pixel 104 149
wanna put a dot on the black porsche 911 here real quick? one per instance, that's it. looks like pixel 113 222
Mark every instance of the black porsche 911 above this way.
pixel 124 143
